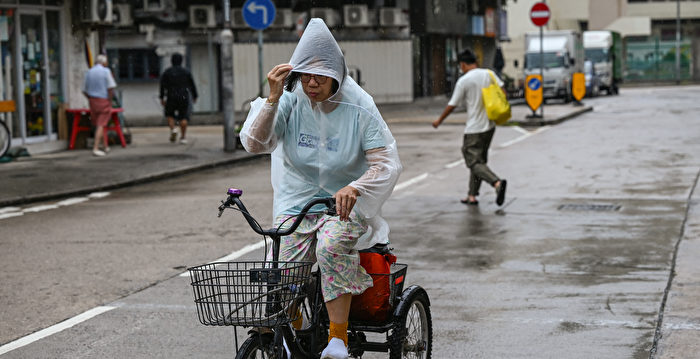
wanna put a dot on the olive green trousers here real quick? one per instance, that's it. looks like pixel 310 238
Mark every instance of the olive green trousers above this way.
pixel 475 149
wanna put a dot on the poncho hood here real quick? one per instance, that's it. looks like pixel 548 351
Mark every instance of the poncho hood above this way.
pixel 318 53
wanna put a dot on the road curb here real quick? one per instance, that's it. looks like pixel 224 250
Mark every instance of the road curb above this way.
pixel 126 183
pixel 555 121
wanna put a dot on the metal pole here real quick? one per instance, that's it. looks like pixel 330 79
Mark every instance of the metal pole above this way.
pixel 542 70
pixel 678 42
pixel 260 63
pixel 542 65
pixel 227 81
pixel 212 81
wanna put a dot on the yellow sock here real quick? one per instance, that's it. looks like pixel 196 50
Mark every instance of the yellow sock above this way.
pixel 300 320
pixel 339 331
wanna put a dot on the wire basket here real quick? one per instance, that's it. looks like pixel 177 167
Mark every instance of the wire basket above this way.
pixel 248 294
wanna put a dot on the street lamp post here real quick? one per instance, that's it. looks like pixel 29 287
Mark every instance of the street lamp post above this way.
pixel 227 81
pixel 678 42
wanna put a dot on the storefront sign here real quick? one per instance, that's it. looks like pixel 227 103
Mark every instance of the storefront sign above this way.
pixel 490 22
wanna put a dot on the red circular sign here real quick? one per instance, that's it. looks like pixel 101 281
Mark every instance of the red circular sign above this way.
pixel 539 14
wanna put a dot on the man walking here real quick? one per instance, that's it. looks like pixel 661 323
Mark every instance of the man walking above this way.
pixel 98 88
pixel 478 131
pixel 179 91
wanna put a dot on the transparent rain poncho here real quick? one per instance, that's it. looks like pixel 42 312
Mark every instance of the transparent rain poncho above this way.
pixel 319 148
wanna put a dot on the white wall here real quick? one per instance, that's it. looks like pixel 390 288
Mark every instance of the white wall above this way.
pixel 75 63
pixel 140 100
pixel 385 66
pixel 245 68
pixel 386 70
pixel 205 78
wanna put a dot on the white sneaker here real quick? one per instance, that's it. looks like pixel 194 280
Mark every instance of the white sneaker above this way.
pixel 98 153
pixel 173 135
pixel 336 349
pixel 183 141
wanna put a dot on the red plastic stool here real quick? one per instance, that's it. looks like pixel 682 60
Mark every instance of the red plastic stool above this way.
pixel 116 125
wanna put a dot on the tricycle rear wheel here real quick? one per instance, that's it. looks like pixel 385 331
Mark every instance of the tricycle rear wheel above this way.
pixel 412 335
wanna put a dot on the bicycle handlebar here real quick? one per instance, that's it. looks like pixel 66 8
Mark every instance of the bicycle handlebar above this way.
pixel 234 199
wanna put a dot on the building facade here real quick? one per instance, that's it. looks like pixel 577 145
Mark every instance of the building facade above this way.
pixel 648 29
pixel 396 49
pixel 36 40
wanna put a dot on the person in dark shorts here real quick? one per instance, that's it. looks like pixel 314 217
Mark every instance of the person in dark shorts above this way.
pixel 177 94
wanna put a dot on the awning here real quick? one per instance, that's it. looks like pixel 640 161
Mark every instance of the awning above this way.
pixel 631 26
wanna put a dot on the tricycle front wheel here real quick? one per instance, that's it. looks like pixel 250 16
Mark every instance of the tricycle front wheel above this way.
pixel 259 346
pixel 412 335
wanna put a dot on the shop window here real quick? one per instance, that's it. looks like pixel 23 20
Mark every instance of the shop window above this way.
pixel 134 64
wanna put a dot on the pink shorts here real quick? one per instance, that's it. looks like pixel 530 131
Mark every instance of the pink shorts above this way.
pixel 100 110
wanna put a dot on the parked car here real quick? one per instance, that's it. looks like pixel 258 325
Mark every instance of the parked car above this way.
pixel 592 79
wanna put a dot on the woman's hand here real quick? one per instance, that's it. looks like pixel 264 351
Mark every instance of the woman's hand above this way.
pixel 275 78
pixel 345 200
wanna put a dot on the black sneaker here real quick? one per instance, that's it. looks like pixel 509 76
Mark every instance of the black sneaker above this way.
pixel 501 192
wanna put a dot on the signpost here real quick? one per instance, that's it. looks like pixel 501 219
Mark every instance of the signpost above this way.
pixel 259 14
pixel 533 91
pixel 539 15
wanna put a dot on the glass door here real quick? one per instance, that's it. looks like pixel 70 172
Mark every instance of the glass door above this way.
pixel 7 71
pixel 55 83
pixel 33 76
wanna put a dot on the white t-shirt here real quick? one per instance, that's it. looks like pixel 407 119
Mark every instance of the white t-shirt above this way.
pixel 468 92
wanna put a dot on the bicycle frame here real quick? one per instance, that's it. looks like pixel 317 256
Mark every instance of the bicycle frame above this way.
pixel 308 342
pixel 316 304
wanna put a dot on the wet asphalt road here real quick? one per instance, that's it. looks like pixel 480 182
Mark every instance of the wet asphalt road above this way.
pixel 573 266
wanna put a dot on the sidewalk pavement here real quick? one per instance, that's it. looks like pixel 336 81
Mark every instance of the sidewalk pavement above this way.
pixel 151 156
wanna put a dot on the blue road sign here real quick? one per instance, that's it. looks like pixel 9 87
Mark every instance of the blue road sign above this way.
pixel 259 14
pixel 534 84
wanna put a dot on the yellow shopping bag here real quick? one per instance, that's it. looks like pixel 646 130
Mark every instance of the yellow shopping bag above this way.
pixel 495 102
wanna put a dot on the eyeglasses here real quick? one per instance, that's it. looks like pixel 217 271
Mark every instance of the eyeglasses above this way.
pixel 305 78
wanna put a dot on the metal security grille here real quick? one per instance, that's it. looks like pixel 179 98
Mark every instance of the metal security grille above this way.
pixel 589 207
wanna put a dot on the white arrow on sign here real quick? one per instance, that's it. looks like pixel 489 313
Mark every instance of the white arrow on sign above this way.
pixel 253 8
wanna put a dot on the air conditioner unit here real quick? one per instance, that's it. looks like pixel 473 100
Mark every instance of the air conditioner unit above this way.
pixel 121 15
pixel 283 19
pixel 328 15
pixel 389 16
pixel 202 16
pixel 237 21
pixel 96 11
pixel 355 16
pixel 153 5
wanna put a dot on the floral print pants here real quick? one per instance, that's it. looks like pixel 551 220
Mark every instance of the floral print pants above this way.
pixel 329 241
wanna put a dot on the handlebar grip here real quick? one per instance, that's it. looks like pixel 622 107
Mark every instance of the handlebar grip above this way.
pixel 331 208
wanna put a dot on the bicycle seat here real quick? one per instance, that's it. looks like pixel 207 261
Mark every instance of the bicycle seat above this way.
pixel 381 248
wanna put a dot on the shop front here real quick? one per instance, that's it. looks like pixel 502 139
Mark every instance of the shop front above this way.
pixel 31 76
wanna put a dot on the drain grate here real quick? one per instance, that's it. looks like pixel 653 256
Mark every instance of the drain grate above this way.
pixel 589 207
